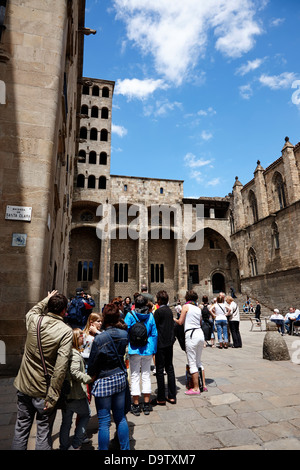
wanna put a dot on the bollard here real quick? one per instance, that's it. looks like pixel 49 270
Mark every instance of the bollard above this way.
pixel 274 346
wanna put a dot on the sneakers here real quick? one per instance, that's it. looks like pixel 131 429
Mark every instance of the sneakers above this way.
pixel 147 408
pixel 135 409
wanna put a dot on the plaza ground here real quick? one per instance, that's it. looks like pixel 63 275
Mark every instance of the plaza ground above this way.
pixel 251 404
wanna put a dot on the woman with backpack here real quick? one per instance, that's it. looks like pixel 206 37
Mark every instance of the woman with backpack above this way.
pixel 142 346
pixel 207 322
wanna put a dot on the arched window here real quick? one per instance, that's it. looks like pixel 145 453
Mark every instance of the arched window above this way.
pixel 103 135
pixel 80 181
pixel 105 92
pixel 83 133
pixel 102 182
pixel 91 181
pixel 95 112
pixel 231 220
pixel 252 262
pixel 253 206
pixel 92 157
pixel 85 90
pixel 104 113
pixel 95 91
pixel 275 236
pixel 85 271
pixel 93 134
pixel 84 109
pixel 280 190
pixel 103 158
pixel 81 156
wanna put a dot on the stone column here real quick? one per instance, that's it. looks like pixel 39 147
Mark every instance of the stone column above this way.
pixel 238 207
pixel 261 191
pixel 291 172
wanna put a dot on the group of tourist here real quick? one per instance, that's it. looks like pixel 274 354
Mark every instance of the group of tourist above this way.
pixel 87 351
pixel 285 323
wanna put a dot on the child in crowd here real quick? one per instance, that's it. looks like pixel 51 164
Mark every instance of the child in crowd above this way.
pixel 77 401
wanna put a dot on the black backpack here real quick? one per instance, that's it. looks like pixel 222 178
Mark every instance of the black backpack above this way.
pixel 138 335
pixel 205 313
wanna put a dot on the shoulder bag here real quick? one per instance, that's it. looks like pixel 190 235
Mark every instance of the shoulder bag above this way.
pixel 65 390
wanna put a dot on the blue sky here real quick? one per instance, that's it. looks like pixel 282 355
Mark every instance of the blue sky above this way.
pixel 204 88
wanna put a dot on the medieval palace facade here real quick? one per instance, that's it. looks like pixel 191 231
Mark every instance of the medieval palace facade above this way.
pixel 66 221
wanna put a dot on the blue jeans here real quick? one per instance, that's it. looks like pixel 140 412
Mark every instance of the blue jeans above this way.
pixel 82 409
pixel 116 404
pixel 222 328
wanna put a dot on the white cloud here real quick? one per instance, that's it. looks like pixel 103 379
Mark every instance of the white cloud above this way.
pixel 209 112
pixel 277 21
pixel 196 175
pixel 214 182
pixel 140 89
pixel 119 130
pixel 251 65
pixel 191 162
pixel 276 82
pixel 246 91
pixel 176 32
pixel 206 135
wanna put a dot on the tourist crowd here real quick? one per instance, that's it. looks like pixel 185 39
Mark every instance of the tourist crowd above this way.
pixel 73 355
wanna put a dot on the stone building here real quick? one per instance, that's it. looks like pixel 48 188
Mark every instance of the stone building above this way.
pixel 264 221
pixel 41 57
pixel 148 236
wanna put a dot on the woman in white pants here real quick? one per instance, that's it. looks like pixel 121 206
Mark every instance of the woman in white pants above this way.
pixel 140 357
pixel 194 339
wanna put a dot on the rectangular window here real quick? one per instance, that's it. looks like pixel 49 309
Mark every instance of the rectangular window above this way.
pixel 194 273
pixel 121 272
pixel 157 272
pixel 85 271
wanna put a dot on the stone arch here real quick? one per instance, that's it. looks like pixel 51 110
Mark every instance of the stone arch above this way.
pixel 210 259
pixel 218 282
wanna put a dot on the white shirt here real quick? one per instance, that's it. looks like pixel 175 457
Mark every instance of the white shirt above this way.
pixel 220 311
pixel 192 318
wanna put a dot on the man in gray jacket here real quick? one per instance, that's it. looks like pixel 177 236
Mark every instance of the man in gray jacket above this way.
pixel 37 398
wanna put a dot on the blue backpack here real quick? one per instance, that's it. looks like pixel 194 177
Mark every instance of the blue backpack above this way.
pixel 75 311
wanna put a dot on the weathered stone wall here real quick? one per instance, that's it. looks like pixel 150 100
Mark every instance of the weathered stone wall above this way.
pixel 37 147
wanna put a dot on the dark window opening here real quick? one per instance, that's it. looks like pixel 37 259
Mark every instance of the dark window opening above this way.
pixel 103 158
pixel 95 91
pixel 92 158
pixel 93 134
pixel 104 113
pixel 104 135
pixel 105 92
pixel 102 182
pixel 80 181
pixel 157 272
pixel 194 273
pixel 95 112
pixel 85 271
pixel 83 133
pixel 91 182
pixel 121 272
pixel 84 109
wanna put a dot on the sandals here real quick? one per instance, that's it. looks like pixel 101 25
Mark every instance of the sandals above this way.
pixel 171 400
pixel 191 391
pixel 154 402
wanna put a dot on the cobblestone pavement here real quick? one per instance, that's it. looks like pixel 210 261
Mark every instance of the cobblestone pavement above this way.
pixel 251 403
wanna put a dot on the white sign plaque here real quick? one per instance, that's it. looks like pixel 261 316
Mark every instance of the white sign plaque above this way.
pixel 18 213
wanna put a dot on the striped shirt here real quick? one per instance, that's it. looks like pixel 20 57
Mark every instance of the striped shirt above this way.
pixel 108 386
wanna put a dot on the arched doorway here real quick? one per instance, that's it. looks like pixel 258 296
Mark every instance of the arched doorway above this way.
pixel 218 283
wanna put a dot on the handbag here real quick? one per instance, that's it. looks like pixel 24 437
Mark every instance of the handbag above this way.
pixel 65 390
pixel 127 390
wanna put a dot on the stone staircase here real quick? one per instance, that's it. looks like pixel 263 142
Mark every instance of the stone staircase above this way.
pixel 241 299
